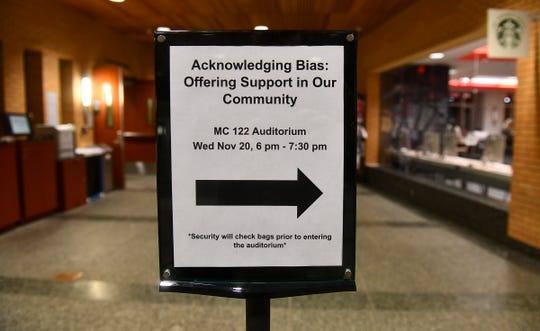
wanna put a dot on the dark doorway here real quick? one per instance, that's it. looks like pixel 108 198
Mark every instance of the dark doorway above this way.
pixel 2 105
pixel 33 83
pixel 66 91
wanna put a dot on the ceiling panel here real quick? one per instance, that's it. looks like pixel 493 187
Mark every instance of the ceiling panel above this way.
pixel 139 18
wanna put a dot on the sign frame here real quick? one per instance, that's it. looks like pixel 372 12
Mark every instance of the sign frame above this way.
pixel 247 282
pixel 518 30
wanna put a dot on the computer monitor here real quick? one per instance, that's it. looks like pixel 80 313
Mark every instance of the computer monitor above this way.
pixel 17 124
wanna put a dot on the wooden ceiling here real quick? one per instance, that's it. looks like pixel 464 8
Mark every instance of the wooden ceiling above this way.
pixel 138 18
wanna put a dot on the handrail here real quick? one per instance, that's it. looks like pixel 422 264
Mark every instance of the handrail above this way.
pixel 133 135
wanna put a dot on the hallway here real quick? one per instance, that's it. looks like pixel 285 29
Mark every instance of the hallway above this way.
pixel 96 268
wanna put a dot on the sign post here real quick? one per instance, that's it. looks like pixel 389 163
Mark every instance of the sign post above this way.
pixel 258 314
pixel 256 135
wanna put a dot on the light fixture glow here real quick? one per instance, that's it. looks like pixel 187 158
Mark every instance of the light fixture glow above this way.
pixel 436 56
pixel 495 80
pixel 107 94
pixel 260 27
pixel 163 28
pixel 117 1
pixel 485 82
pixel 86 91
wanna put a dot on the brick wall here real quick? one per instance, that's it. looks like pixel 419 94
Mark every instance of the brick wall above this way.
pixel 60 32
pixel 524 222
pixel 427 26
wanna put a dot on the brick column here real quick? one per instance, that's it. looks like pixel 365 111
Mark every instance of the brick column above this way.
pixel 373 118
pixel 524 218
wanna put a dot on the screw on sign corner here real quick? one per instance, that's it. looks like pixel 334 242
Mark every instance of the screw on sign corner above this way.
pixel 161 130
pixel 350 37
pixel 167 274
pixel 348 274
pixel 161 38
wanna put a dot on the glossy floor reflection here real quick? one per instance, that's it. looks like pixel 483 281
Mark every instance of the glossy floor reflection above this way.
pixel 414 272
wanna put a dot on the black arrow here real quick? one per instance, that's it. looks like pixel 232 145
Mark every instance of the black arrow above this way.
pixel 300 193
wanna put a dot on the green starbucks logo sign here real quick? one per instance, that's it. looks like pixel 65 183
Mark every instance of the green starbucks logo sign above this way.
pixel 509 32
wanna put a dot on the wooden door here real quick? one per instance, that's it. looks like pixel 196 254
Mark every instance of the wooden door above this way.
pixel 33 86
pixel 66 91
pixel 140 121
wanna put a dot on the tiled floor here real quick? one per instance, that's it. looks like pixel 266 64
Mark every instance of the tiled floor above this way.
pixel 414 272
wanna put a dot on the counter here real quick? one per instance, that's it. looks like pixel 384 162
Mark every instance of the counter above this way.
pixel 37 165
pixel 10 203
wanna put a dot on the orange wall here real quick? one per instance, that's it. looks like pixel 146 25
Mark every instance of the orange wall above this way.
pixel 427 26
pixel 60 32
pixel 112 75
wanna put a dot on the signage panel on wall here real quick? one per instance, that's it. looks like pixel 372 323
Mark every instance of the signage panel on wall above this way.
pixel 508 33
pixel 256 151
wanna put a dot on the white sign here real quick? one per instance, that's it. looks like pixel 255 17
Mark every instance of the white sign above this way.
pixel 257 155
pixel 508 33
pixel 52 108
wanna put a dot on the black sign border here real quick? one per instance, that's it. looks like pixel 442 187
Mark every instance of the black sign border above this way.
pixel 243 282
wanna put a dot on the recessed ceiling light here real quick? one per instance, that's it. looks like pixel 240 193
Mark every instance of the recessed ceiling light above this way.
pixel 163 28
pixel 118 1
pixel 260 27
pixel 436 56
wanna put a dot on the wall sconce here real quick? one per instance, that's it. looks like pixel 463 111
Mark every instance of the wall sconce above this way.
pixel 108 99
pixel 150 111
pixel 86 92
pixel 86 101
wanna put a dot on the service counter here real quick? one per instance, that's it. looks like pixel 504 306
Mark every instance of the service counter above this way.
pixel 72 182
pixel 470 192
pixel 488 174
pixel 139 146
pixel 10 203
pixel 37 177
